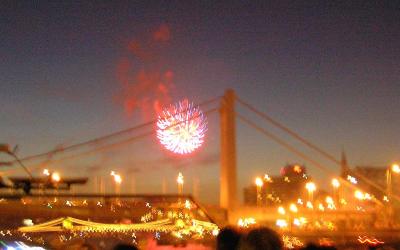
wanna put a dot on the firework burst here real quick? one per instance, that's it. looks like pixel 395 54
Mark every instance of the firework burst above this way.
pixel 181 128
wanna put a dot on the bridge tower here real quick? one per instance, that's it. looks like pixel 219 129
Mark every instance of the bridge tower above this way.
pixel 228 178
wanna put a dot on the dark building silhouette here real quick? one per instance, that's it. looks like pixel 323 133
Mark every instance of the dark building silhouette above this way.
pixel 284 188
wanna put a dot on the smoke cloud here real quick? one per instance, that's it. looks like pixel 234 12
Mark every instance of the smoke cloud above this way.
pixel 145 85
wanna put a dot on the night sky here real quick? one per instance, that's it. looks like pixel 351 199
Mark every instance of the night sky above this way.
pixel 71 72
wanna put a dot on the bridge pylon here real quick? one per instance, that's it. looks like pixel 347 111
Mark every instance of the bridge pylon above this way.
pixel 228 176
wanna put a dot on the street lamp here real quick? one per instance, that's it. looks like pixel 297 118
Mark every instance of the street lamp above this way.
pixel 336 184
pixel 55 177
pixel 259 183
pixel 359 195
pixel 293 208
pixel 395 168
pixel 118 181
pixel 180 182
pixel 311 187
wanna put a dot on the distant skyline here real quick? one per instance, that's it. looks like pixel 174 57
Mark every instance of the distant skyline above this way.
pixel 75 71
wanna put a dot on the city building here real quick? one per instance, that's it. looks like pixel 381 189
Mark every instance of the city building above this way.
pixel 287 187
pixel 372 179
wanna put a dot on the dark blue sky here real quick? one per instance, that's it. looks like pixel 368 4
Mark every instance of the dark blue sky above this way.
pixel 330 71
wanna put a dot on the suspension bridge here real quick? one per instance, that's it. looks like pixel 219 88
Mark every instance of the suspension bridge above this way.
pixel 226 107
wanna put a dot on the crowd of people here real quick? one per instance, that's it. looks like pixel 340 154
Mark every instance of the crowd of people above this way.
pixel 261 238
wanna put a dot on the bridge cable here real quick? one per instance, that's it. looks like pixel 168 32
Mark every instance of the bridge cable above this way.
pixel 103 138
pixel 115 144
pixel 294 150
pixel 309 144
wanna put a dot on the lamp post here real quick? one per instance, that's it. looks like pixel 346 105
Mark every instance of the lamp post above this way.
pixel 395 168
pixel 118 181
pixel 259 183
pixel 311 187
pixel 336 184
pixel 180 182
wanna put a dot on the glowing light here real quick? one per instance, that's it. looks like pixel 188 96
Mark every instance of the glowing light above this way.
pixel 329 200
pixel 56 177
pixel 330 203
pixel 27 222
pixel 293 208
pixel 335 183
pixel 370 241
pixel 291 242
pixel 281 223
pixel 187 204
pixel 343 201
pixel 385 199
pixel 297 169
pixel 396 168
pixel 321 207
pixel 21 245
pixel 246 222
pixel 117 177
pixel 309 205
pixel 281 210
pixel 180 182
pixel 267 178
pixel 300 201
pixel 303 220
pixel 181 128
pixel 311 187
pixel 352 179
pixel 180 178
pixel 177 226
pixel 359 195
pixel 46 172
pixel 259 182
pixel 215 232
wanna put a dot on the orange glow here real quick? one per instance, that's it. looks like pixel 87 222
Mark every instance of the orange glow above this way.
pixel 117 178
pixel 335 183
pixel 311 187
pixel 293 208
pixel 359 195
pixel 396 168
pixel 369 241
pixel 56 177
pixel 267 178
pixel 46 172
pixel 297 169
pixel 259 182
pixel 179 179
